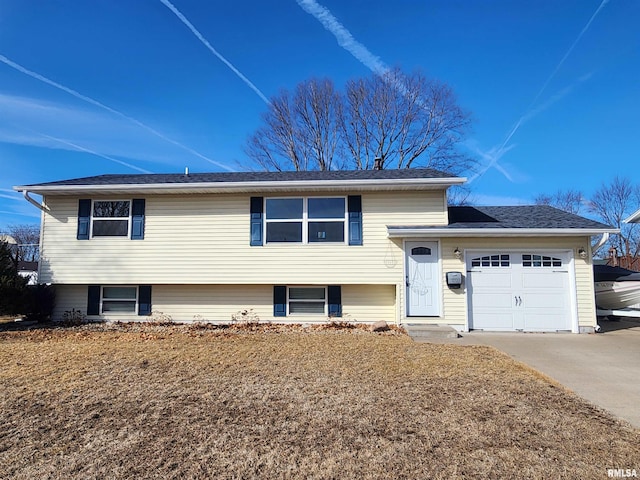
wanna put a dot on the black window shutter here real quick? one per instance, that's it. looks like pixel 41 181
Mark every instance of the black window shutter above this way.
pixel 256 221
pixel 137 219
pixel 354 206
pixel 93 300
pixel 84 217
pixel 279 301
pixel 144 300
pixel 334 297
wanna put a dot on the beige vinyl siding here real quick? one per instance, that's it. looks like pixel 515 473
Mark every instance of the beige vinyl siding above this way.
pixel 68 298
pixel 204 239
pixel 455 306
pixel 217 303
pixel 369 303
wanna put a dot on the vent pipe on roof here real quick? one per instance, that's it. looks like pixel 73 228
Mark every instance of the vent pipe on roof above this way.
pixel 186 171
pixel 377 163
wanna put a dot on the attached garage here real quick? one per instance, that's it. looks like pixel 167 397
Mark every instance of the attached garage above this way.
pixel 525 269
pixel 520 291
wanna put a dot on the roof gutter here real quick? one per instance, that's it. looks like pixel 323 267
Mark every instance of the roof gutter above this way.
pixel 416 232
pixel 409 183
pixel 39 206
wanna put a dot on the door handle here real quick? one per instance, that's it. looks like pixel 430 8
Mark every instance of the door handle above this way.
pixel 518 300
pixel 407 280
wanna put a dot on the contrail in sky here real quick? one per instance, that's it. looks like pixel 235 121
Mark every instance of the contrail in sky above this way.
pixel 10 197
pixel 204 41
pixel 83 149
pixel 530 112
pixel 7 212
pixel 566 55
pixel 90 100
pixel 343 36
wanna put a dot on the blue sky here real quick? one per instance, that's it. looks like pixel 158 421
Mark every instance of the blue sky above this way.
pixel 115 86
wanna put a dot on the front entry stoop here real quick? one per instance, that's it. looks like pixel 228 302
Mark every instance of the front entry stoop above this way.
pixel 424 333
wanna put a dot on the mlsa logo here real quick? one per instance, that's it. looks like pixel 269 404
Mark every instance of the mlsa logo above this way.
pixel 622 473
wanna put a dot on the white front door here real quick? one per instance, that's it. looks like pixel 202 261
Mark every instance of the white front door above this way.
pixel 423 282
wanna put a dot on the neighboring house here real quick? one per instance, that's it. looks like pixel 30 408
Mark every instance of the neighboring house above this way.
pixel 28 270
pixel 304 246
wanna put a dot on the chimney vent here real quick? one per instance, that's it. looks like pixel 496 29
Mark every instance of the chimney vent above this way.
pixel 377 163
pixel 186 171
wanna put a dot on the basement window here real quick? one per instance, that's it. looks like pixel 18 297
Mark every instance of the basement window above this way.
pixel 307 300
pixel 119 299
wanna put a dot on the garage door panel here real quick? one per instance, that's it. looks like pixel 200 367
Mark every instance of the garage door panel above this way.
pixel 492 301
pixel 540 323
pixel 551 303
pixel 492 280
pixel 545 280
pixel 497 322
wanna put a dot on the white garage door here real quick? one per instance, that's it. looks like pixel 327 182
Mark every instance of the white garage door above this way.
pixel 525 291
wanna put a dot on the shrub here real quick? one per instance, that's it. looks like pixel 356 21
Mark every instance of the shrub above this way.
pixel 160 317
pixel 73 318
pixel 247 316
pixel 40 300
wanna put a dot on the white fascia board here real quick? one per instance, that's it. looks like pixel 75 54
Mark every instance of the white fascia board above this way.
pixel 634 218
pixel 400 232
pixel 255 186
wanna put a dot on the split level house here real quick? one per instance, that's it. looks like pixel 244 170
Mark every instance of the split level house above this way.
pixel 306 246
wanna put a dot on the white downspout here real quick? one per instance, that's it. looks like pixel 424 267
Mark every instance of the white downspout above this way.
pixel 39 206
pixel 604 239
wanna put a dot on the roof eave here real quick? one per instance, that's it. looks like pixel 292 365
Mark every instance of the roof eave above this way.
pixel 247 187
pixel 414 232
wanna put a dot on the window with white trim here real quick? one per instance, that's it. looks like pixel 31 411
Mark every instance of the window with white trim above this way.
pixel 533 260
pixel 307 300
pixel 110 218
pixel 306 220
pixel 118 300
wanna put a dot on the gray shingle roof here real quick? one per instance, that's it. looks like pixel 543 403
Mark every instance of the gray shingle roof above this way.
pixel 524 216
pixel 176 178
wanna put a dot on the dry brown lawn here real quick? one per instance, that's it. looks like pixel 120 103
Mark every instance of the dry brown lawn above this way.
pixel 195 402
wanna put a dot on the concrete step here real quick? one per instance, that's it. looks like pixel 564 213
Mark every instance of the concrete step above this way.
pixel 420 332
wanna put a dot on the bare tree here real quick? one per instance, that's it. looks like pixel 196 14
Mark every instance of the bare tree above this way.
pixel 613 203
pixel 27 236
pixel 300 130
pixel 459 196
pixel 571 201
pixel 407 121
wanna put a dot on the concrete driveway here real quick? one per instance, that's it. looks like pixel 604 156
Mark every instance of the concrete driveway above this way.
pixel 603 368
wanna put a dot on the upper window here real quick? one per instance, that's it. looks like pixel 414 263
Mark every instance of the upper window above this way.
pixel 500 260
pixel 110 218
pixel 420 251
pixel 305 220
pixel 531 260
